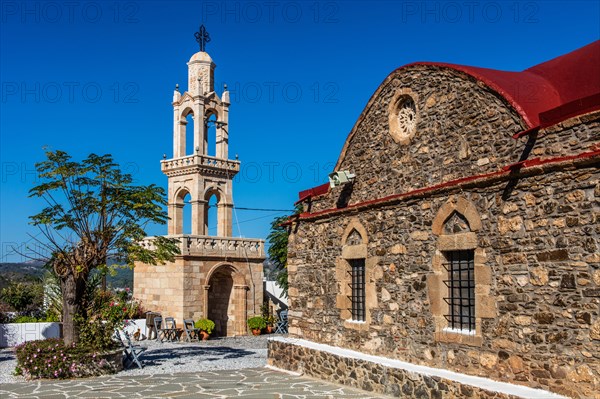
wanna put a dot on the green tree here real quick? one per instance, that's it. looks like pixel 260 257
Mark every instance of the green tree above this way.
pixel 94 211
pixel 278 247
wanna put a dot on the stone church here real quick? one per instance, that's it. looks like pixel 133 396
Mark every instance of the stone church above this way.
pixel 216 276
pixel 459 255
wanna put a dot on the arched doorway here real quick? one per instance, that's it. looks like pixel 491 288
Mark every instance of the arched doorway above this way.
pixel 226 300
pixel 219 300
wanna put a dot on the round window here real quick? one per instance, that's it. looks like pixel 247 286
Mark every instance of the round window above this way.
pixel 407 117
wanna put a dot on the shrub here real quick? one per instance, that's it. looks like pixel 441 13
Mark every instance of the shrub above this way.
pixel 25 319
pixel 47 318
pixel 97 334
pixel 23 297
pixel 256 322
pixel 50 358
pixel 205 325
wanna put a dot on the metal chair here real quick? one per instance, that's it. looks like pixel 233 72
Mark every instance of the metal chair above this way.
pixel 160 332
pixel 132 352
pixel 190 331
pixel 281 327
pixel 170 329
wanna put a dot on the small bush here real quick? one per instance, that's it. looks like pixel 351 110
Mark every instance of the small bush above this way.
pixel 25 319
pixel 205 325
pixel 256 322
pixel 50 358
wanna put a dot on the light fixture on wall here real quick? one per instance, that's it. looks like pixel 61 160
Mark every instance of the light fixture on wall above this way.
pixel 197 149
pixel 341 177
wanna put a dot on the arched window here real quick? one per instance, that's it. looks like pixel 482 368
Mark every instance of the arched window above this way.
pixel 212 212
pixel 212 216
pixel 181 217
pixel 185 139
pixel 356 277
pixel 210 135
pixel 459 287
pixel 187 214
pixel 189 134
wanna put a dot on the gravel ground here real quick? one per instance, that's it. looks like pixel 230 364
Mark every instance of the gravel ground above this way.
pixel 166 358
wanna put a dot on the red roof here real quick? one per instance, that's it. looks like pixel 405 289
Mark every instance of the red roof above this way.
pixel 542 87
pixel 543 95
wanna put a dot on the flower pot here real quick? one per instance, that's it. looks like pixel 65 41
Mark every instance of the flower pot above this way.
pixel 269 329
pixel 256 331
pixel 204 335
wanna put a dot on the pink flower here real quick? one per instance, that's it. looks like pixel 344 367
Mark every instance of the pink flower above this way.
pixel 127 289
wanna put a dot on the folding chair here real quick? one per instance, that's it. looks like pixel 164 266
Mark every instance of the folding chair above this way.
pixel 282 324
pixel 170 329
pixel 161 334
pixel 190 331
pixel 132 352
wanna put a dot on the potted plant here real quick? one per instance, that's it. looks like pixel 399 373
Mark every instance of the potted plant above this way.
pixel 270 321
pixel 256 324
pixel 206 327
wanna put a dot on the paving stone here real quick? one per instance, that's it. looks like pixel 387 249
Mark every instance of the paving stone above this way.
pixel 260 383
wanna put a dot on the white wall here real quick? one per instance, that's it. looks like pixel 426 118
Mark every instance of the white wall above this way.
pixel 14 334
pixel 275 293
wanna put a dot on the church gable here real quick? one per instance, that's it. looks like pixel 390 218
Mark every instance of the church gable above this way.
pixel 424 126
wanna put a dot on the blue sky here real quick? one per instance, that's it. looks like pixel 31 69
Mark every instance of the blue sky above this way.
pixel 97 76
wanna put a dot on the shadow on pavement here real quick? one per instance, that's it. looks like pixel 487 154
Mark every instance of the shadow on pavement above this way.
pixel 157 356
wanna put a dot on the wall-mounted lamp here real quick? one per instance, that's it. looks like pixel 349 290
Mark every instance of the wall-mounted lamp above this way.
pixel 341 177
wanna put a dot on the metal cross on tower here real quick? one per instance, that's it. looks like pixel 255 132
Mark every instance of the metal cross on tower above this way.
pixel 202 37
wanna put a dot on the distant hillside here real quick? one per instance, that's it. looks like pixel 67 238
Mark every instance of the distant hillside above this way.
pixel 29 271
pixel 20 272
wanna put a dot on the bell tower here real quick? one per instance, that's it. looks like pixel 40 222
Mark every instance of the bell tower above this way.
pixel 218 277
pixel 192 170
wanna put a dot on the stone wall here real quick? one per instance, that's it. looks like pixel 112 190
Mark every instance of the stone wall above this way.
pixel 180 289
pixel 537 254
pixel 383 378
pixel 542 247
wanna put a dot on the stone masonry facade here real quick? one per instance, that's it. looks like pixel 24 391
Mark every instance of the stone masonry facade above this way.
pixel 456 183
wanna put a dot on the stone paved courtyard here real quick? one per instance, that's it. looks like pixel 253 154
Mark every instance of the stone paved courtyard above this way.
pixel 246 383
pixel 218 368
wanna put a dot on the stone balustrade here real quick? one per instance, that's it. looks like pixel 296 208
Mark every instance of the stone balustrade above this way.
pixel 231 247
pixel 200 160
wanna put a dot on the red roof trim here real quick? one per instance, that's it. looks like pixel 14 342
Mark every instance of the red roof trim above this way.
pixel 312 192
pixel 508 169
pixel 569 110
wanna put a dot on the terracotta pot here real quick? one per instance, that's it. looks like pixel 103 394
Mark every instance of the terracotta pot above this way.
pixel 256 331
pixel 269 329
pixel 204 335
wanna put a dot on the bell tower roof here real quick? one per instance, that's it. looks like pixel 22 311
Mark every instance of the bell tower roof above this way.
pixel 201 56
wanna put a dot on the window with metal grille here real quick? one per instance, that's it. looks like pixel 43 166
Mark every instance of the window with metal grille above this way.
pixel 357 270
pixel 461 290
